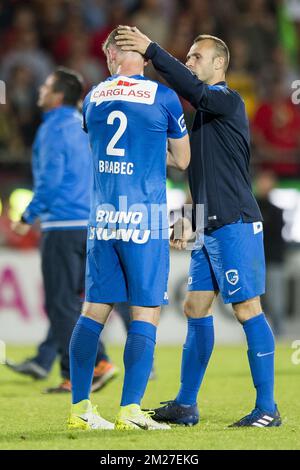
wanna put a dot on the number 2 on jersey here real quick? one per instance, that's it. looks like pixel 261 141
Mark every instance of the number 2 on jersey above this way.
pixel 111 149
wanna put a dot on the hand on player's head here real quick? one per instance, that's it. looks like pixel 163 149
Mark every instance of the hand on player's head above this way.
pixel 131 39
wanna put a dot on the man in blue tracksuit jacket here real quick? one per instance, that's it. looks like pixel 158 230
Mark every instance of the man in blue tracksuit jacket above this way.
pixel 62 170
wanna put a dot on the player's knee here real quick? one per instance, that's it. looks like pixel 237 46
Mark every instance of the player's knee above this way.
pixel 146 314
pixel 243 316
pixel 97 312
pixel 194 310
pixel 247 309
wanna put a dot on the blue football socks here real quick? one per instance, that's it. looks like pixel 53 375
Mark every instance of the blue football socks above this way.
pixel 83 351
pixel 196 354
pixel 261 349
pixel 138 360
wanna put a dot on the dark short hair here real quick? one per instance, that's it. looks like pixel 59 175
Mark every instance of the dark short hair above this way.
pixel 221 47
pixel 70 83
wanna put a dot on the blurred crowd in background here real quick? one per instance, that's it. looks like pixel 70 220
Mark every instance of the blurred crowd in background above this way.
pixel 264 40
pixel 262 35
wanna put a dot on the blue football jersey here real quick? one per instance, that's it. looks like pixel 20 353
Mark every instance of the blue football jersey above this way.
pixel 128 120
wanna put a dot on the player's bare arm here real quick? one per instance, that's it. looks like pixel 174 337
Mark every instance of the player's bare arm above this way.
pixel 179 153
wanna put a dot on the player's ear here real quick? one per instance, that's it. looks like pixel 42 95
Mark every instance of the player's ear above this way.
pixel 219 63
pixel 111 53
pixel 146 62
pixel 58 98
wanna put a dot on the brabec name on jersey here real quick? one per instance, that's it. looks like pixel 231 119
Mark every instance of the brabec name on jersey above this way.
pixel 128 120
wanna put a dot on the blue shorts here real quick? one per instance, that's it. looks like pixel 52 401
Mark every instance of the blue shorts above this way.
pixel 119 271
pixel 231 261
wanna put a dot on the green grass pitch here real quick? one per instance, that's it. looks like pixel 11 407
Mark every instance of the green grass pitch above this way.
pixel 31 420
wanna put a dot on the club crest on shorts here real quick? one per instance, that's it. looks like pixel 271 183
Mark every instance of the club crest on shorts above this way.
pixel 232 276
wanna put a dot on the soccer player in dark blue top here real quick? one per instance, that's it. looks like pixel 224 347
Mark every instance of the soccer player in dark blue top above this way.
pixel 130 121
pixel 231 258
